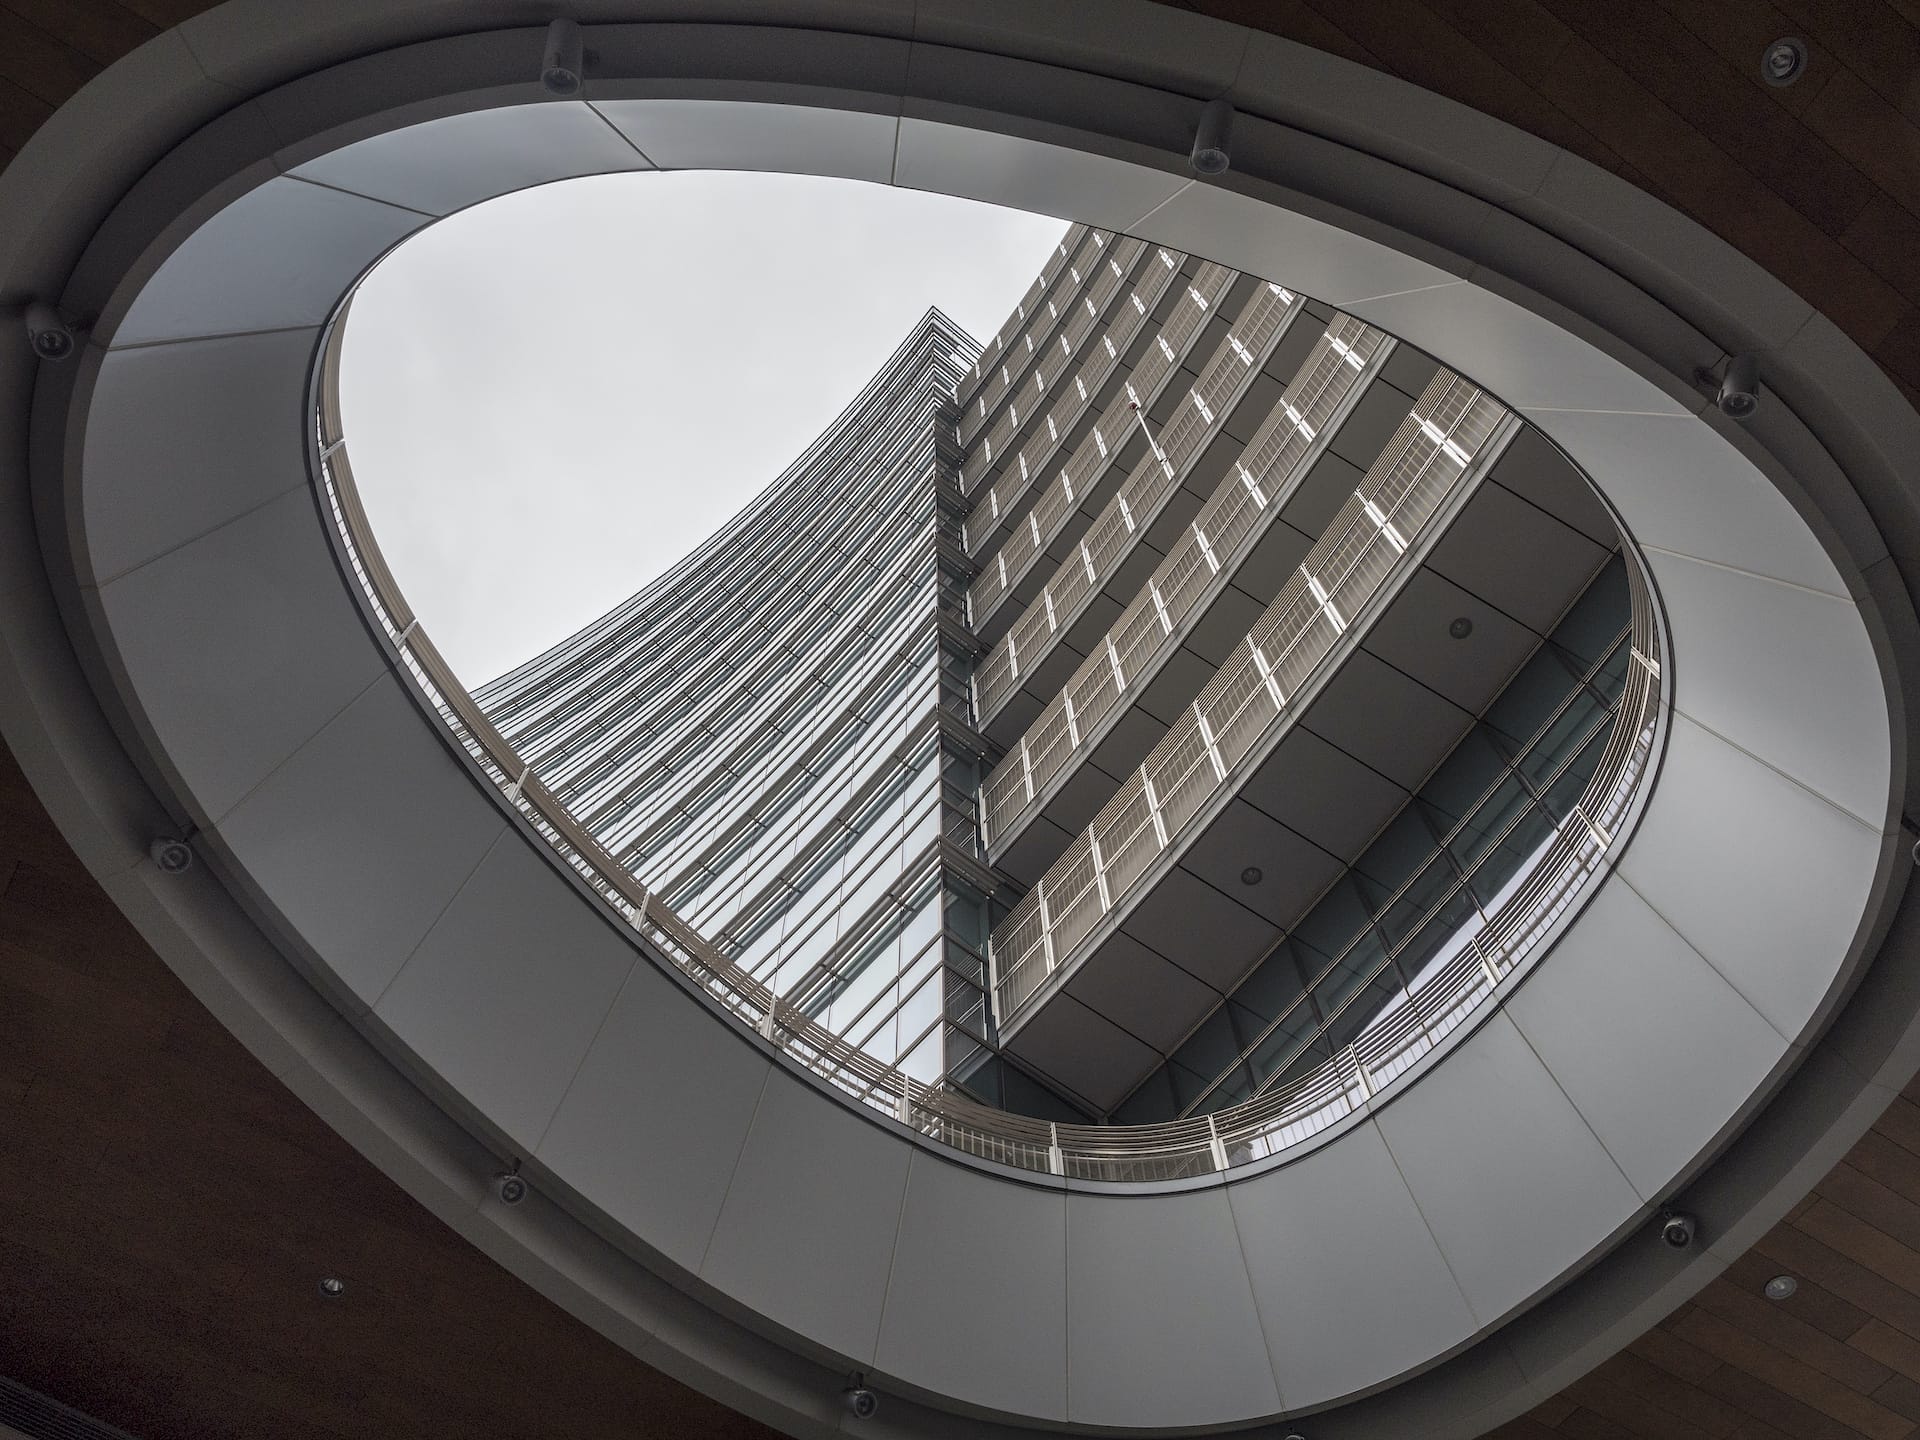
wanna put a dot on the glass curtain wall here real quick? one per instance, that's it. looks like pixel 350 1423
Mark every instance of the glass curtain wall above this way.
pixel 776 737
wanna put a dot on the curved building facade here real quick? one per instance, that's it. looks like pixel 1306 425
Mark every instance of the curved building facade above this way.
pixel 767 738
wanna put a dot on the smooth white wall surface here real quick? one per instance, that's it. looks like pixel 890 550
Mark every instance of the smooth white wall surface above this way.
pixel 370 796
pixel 656 1113
pixel 968 1246
pixel 280 256
pixel 1161 1324
pixel 242 644
pixel 446 164
pixel 1762 877
pixel 745 135
pixel 1346 1237
pixel 1647 1040
pixel 200 433
pixel 651 1126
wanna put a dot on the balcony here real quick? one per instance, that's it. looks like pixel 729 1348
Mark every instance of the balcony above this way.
pixel 1160 931
pixel 1140 273
pixel 1085 469
pixel 1072 314
pixel 1203 560
pixel 1001 364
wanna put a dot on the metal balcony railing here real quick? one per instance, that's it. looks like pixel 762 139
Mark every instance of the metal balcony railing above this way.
pixel 1096 365
pixel 1132 511
pixel 1062 352
pixel 1399 931
pixel 1027 541
pixel 1235 721
pixel 1082 268
pixel 1205 557
pixel 1195 1146
pixel 1011 329
pixel 1157 366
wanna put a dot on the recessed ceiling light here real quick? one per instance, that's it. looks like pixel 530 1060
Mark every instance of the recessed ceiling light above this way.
pixel 1781 1287
pixel 1460 628
pixel 1252 875
pixel 1784 61
pixel 333 1287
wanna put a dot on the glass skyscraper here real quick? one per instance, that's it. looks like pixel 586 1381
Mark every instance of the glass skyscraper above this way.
pixel 1011 738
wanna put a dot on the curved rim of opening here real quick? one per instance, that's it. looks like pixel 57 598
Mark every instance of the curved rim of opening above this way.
pixel 101 786
pixel 1368 1072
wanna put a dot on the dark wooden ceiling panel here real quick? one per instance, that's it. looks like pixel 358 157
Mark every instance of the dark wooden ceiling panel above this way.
pixel 1818 181
pixel 167 1210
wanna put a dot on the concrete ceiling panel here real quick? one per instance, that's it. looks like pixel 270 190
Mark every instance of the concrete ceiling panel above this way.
pixel 443 165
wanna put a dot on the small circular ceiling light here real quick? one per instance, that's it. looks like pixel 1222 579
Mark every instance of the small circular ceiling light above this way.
pixel 1781 1287
pixel 171 856
pixel 1785 61
pixel 50 336
pixel 1460 628
pixel 1252 875
pixel 333 1287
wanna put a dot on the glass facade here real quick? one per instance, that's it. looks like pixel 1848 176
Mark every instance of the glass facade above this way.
pixel 780 757
pixel 773 737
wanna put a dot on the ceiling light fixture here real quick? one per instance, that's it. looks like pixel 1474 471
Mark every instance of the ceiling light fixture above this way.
pixel 50 335
pixel 170 855
pixel 1739 394
pixel 1252 875
pixel 564 60
pixel 858 1399
pixel 1679 1229
pixel 333 1287
pixel 1781 1287
pixel 1784 61
pixel 1210 155
pixel 1460 628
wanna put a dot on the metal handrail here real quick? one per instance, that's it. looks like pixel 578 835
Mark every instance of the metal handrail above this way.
pixel 1097 364
pixel 987 401
pixel 1022 549
pixel 1126 518
pixel 1195 1146
pixel 1196 568
pixel 1076 380
pixel 1015 325
pixel 1240 712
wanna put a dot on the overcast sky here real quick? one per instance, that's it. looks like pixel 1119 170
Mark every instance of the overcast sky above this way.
pixel 553 396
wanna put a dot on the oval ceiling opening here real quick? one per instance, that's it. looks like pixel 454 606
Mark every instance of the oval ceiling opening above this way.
pixel 1113 712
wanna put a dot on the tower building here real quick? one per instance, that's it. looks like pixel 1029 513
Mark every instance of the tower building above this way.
pixel 1188 705
pixel 774 737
